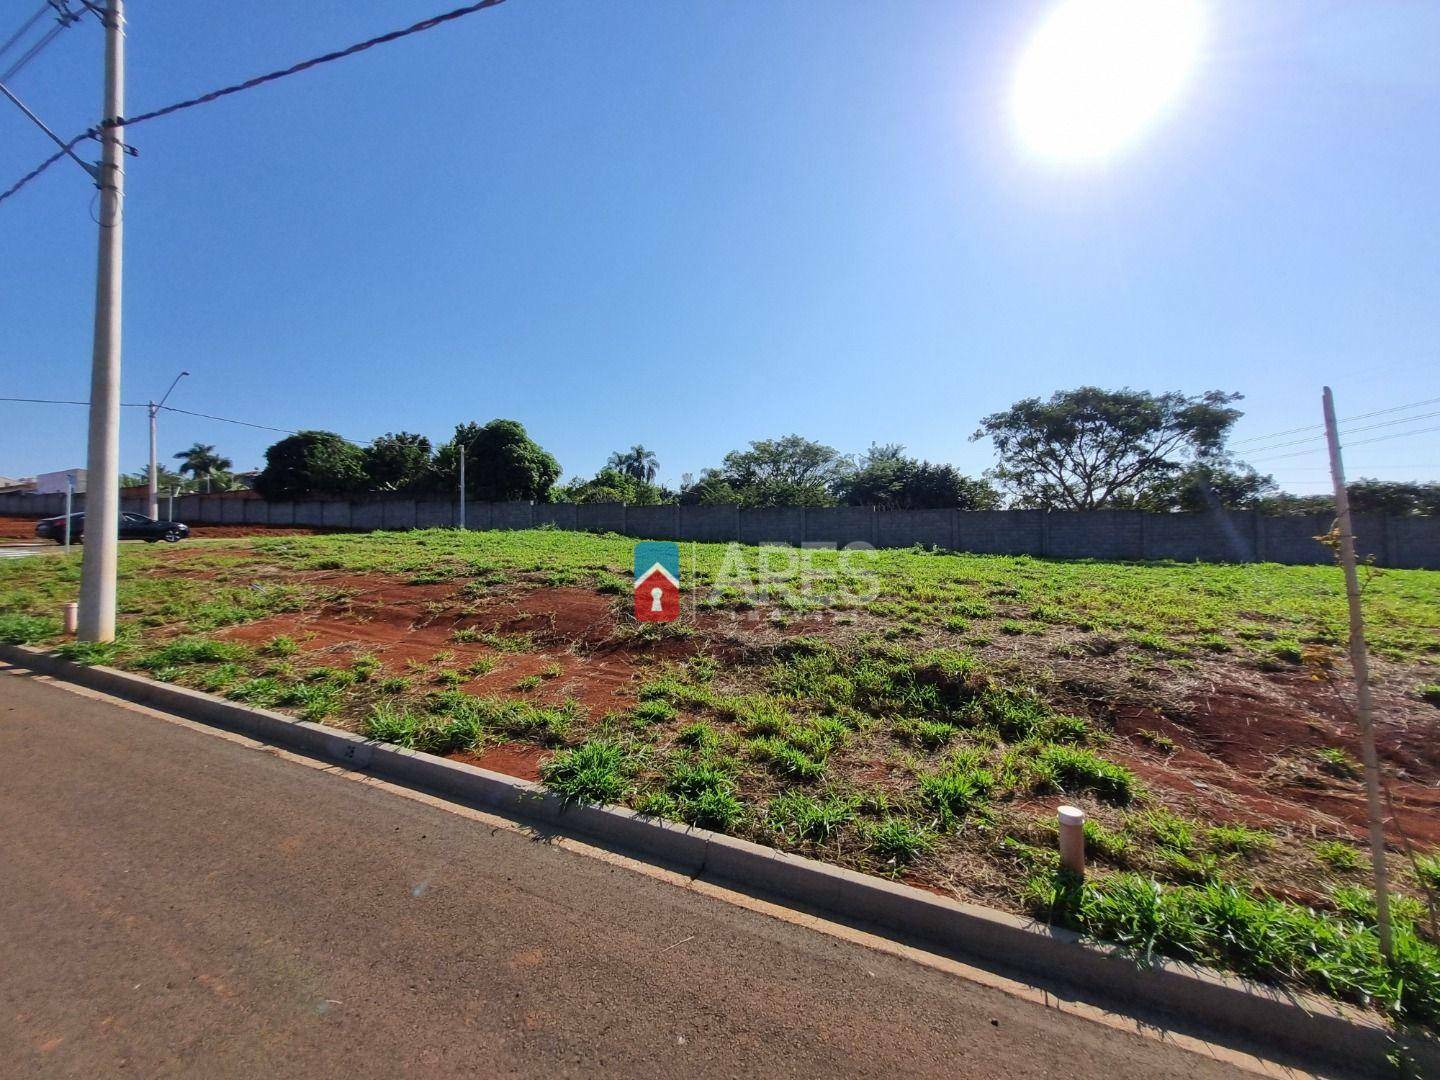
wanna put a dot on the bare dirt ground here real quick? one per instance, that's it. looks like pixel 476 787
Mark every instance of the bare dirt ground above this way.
pixel 1243 739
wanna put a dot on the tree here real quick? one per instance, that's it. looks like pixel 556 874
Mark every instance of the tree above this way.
pixel 202 463
pixel 165 478
pixel 886 477
pixel 502 463
pixel 397 461
pixel 790 471
pixel 311 463
pixel 1403 498
pixel 611 485
pixel 1212 484
pixel 1091 448
pixel 637 462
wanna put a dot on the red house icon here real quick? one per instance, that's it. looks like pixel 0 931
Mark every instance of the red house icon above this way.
pixel 657 596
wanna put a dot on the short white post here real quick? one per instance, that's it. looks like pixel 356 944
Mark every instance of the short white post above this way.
pixel 72 617
pixel 1072 839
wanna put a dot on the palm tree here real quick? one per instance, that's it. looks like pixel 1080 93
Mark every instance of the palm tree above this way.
pixel 201 461
pixel 637 463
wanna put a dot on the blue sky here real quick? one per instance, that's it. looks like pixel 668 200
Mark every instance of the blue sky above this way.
pixel 693 225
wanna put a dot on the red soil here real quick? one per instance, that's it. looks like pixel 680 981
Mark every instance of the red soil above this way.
pixel 512 759
pixel 575 647
pixel 1247 753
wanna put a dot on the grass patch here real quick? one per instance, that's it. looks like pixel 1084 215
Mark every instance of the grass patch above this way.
pixel 597 771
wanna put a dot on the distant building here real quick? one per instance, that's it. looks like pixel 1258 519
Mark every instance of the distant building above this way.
pixel 9 486
pixel 54 483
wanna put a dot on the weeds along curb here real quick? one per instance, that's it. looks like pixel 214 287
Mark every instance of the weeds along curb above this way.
pixel 1305 1027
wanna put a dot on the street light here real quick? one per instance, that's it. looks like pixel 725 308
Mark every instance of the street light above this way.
pixel 152 504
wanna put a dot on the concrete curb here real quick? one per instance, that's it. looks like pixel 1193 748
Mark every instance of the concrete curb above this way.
pixel 1309 1028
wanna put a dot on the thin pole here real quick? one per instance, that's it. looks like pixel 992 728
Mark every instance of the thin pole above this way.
pixel 152 500
pixel 102 496
pixel 1361 664
pixel 69 506
pixel 170 515
pixel 462 485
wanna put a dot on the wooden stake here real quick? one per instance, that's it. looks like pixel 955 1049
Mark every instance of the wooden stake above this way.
pixel 1359 661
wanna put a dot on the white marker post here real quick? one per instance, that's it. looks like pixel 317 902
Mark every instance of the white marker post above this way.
pixel 1072 839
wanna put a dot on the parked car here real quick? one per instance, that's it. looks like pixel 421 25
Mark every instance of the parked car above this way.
pixel 132 527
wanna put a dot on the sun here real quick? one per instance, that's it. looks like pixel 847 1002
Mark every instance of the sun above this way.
pixel 1097 73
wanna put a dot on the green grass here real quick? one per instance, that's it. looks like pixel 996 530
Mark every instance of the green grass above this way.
pixel 596 771
pixel 886 735
pixel 1429 692
pixel 17 628
pixel 1338 762
pixel 1262 937
pixel 1338 855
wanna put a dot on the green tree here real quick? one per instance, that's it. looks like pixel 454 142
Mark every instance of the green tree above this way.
pixel 502 463
pixel 394 462
pixel 789 471
pixel 203 463
pixel 886 477
pixel 1089 448
pixel 637 462
pixel 611 485
pixel 311 463
pixel 1402 498
pixel 1208 485
pixel 167 478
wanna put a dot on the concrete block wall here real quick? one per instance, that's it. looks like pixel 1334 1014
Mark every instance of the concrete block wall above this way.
pixel 1235 536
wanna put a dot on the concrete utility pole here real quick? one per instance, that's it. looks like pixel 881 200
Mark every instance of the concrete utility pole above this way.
pixel 102 494
pixel 462 485
pixel 152 505
pixel 1361 664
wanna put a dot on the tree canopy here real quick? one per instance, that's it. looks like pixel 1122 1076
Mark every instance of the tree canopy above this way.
pixel 638 463
pixel 789 471
pixel 202 463
pixel 394 462
pixel 612 486
pixel 1089 448
pixel 311 463
pixel 502 463
pixel 886 477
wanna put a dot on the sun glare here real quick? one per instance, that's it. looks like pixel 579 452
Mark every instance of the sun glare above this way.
pixel 1098 72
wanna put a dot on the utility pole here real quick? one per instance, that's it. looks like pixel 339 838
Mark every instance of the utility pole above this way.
pixel 69 507
pixel 102 494
pixel 152 505
pixel 1360 662
pixel 462 485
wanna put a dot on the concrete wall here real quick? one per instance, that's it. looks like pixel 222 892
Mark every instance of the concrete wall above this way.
pixel 1236 536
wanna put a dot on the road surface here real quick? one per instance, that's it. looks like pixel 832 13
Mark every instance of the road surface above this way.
pixel 176 903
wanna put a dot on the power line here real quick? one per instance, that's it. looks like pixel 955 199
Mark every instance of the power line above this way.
pixel 1348 445
pixel 1351 431
pixel 25 27
pixel 172 408
pixel 1346 420
pixel 249 84
pixel 66 18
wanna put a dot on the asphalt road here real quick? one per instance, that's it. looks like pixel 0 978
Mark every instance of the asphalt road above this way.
pixel 179 904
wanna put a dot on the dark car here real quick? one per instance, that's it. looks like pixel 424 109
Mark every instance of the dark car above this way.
pixel 132 527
